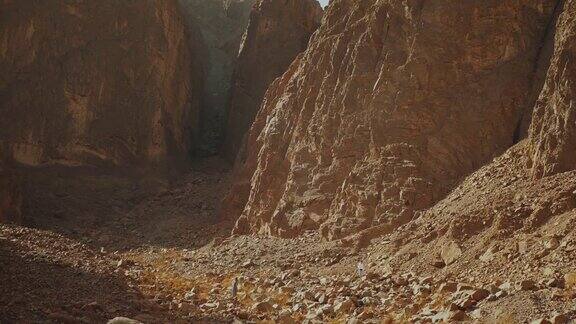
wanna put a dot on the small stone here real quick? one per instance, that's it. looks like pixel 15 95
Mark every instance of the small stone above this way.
pixel 527 285
pixel 421 290
pixel 479 294
pixel 366 301
pixel 400 281
pixel 523 247
pixel 465 302
pixel 541 321
pixel 505 286
pixel 285 319
pixel 554 283
pixel 438 263
pixel 547 272
pixel 324 310
pixel 427 281
pixel 344 307
pixel 450 253
pixel 190 295
pixel 365 315
pixel 463 287
pixel 570 280
pixel 551 243
pixel 123 320
pixel 487 256
pixel 458 316
pixel 296 308
pixel 560 319
pixel 448 287
pixel 262 307
pixel 210 305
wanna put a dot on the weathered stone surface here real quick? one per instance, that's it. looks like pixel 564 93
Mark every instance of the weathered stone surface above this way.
pixel 10 197
pixel 450 253
pixel 390 105
pixel 277 32
pixel 553 130
pixel 222 24
pixel 110 82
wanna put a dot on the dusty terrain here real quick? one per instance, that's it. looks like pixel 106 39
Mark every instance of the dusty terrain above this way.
pixel 416 163
pixel 153 251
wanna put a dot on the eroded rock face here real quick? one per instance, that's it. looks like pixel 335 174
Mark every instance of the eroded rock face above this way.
pixel 222 24
pixel 277 32
pixel 96 82
pixel 10 197
pixel 553 130
pixel 390 105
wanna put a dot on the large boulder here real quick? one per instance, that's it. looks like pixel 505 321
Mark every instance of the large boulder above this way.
pixel 388 108
pixel 99 82
pixel 277 32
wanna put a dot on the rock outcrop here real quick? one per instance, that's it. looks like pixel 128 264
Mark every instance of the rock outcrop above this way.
pixel 517 212
pixel 553 131
pixel 222 24
pixel 389 107
pixel 99 82
pixel 10 197
pixel 277 32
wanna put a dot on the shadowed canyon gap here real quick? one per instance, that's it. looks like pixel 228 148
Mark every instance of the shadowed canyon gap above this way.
pixel 221 25
pixel 278 31
pixel 408 161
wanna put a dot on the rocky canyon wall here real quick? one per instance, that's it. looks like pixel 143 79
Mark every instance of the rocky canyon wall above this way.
pixel 277 32
pixel 222 24
pixel 524 198
pixel 99 82
pixel 389 107
pixel 553 130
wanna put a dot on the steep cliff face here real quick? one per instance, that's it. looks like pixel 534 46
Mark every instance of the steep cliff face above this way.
pixel 553 131
pixel 277 32
pixel 508 215
pixel 392 103
pixel 222 24
pixel 107 81
pixel 10 197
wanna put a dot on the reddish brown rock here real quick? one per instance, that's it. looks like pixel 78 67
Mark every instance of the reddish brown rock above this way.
pixel 553 130
pixel 96 82
pixel 390 105
pixel 278 31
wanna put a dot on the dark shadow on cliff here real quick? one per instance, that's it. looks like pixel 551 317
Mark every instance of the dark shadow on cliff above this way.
pixel 121 209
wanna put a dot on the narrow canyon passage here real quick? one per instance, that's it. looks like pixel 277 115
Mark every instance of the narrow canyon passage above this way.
pixel 287 161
